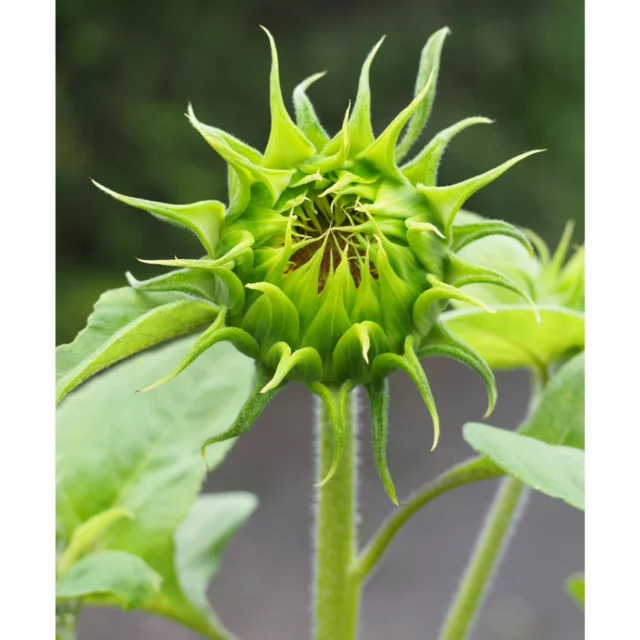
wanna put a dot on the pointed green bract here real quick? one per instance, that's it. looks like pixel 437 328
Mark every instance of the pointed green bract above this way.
pixel 360 129
pixel 462 273
pixel 306 361
pixel 428 306
pixel 382 152
pixel 335 404
pixel 203 218
pixel 306 117
pixel 396 298
pixel 468 233
pixel 441 342
pixel 287 144
pixel 191 281
pixel 427 74
pixel 423 169
pixel 386 363
pixel 333 265
pixel 357 348
pixel 216 333
pixel 275 181
pixel 337 159
pixel 447 201
pixel 249 413
pixel 332 319
pixel 379 404
pixel 272 318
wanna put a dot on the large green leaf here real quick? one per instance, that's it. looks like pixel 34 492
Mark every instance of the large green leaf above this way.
pixel 124 322
pixel 555 470
pixel 512 338
pixel 574 586
pixel 139 454
pixel 121 575
pixel 190 560
pixel 547 451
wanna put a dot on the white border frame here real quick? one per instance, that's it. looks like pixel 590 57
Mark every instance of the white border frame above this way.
pixel 27 480
pixel 612 275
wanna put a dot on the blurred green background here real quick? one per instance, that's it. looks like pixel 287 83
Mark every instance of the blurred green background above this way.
pixel 126 70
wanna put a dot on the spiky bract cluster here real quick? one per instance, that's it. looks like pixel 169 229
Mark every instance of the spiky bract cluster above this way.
pixel 333 260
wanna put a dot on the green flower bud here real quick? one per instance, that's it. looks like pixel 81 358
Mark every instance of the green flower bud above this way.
pixel 333 260
pixel 550 279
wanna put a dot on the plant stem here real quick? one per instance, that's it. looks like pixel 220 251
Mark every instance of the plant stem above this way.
pixel 337 594
pixel 467 472
pixel 492 542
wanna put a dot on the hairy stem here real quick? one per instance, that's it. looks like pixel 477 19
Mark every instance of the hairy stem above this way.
pixel 499 526
pixel 467 472
pixel 491 544
pixel 337 594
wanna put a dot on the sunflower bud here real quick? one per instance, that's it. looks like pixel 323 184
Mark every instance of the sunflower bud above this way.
pixel 333 259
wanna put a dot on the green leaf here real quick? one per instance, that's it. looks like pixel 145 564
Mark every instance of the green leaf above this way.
pixel 122 575
pixel 87 535
pixel 574 586
pixel 559 416
pixel 124 322
pixel 512 338
pixel 555 470
pixel 191 559
pixel 203 536
pixel 141 452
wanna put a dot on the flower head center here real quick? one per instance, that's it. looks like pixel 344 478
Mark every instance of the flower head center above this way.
pixel 338 227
